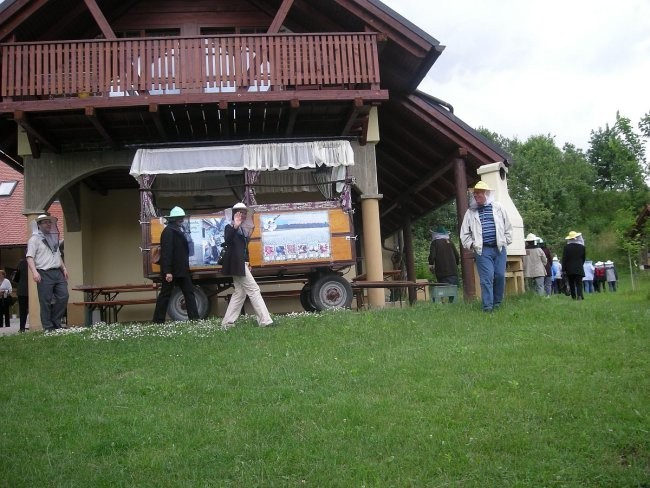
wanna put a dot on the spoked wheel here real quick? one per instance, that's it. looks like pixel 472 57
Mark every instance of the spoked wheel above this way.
pixel 331 291
pixel 177 309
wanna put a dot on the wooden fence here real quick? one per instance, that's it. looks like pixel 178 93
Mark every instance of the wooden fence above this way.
pixel 127 67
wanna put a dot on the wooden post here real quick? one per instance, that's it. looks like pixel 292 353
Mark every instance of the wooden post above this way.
pixel 374 267
pixel 410 260
pixel 467 258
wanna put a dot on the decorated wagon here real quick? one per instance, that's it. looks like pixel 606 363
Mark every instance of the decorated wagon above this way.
pixel 310 242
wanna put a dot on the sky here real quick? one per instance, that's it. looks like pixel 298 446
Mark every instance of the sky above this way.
pixel 530 67
pixel 526 67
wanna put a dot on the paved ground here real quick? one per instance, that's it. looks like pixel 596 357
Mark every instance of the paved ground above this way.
pixel 14 327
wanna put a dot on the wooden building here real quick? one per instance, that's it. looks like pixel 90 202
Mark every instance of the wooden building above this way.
pixel 84 84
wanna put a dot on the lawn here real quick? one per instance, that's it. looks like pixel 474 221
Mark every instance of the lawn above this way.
pixel 544 392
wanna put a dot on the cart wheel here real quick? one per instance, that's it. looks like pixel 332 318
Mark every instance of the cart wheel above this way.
pixel 176 309
pixel 331 291
pixel 305 298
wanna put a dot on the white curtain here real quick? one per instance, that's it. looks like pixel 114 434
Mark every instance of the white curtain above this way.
pixel 255 157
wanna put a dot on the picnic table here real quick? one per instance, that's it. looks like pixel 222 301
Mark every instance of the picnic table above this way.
pixel 359 285
pixel 110 299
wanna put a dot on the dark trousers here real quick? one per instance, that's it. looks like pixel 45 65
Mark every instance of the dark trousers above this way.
pixel 575 286
pixel 5 312
pixel 23 310
pixel 186 286
pixel 53 297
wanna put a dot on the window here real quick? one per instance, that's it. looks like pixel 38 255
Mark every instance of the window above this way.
pixel 7 188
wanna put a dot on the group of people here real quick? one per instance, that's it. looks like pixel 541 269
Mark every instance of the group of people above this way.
pixel 599 276
pixel 45 263
pixel 574 275
pixel 175 269
pixel 486 232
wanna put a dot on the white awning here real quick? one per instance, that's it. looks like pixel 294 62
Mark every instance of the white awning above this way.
pixel 256 157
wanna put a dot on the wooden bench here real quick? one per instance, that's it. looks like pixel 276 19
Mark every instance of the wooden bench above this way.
pixel 109 308
pixel 107 299
pixel 359 285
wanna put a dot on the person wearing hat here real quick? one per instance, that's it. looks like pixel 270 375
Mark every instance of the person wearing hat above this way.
pixel 611 275
pixel 486 230
pixel 443 258
pixel 175 267
pixel 235 264
pixel 573 260
pixel 556 276
pixel 534 265
pixel 49 272
pixel 600 277
pixel 588 278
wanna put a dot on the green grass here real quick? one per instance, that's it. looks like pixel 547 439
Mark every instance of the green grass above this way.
pixel 544 392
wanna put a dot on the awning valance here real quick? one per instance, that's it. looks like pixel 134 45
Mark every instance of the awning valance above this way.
pixel 255 157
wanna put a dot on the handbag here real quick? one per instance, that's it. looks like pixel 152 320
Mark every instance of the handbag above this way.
pixel 222 254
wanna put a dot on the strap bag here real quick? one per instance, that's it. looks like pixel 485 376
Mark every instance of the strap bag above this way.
pixel 222 254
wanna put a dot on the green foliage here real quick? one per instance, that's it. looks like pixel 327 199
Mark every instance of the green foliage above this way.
pixel 559 190
pixel 543 393
pixel 618 156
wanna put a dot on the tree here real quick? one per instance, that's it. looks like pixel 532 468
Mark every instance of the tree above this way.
pixel 618 156
pixel 549 186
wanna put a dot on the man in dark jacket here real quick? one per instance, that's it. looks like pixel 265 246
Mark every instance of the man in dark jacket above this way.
pixel 175 267
pixel 443 258
pixel 573 260
pixel 236 264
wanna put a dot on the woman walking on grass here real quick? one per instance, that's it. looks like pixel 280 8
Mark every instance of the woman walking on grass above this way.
pixel 235 264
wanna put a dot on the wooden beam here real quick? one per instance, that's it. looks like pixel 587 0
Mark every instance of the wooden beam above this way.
pixel 324 95
pixel 280 17
pixel 97 14
pixel 99 125
pixel 425 181
pixel 23 120
pixel 293 115
pixel 224 118
pixel 157 120
pixel 357 105
pixel 30 8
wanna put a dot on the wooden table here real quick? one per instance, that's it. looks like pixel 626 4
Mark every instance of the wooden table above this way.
pixel 108 299
pixel 388 274
pixel 358 286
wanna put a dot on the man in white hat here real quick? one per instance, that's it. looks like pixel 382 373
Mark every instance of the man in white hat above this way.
pixel 486 230
pixel 175 267
pixel 49 272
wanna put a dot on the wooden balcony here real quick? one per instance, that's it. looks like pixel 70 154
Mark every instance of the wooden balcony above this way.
pixel 59 75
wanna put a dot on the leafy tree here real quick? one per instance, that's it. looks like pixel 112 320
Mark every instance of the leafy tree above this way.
pixel 644 125
pixel 618 156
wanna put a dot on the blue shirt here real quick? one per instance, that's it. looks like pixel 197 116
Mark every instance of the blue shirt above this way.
pixel 487 224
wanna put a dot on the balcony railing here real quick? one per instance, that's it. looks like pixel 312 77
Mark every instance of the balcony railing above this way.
pixel 173 65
